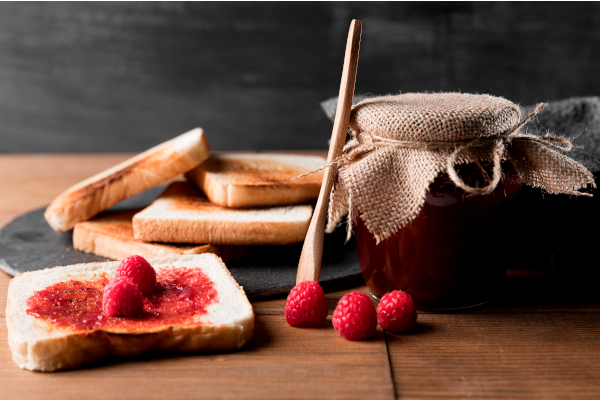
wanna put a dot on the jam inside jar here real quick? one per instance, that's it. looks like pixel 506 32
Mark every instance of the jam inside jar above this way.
pixel 455 253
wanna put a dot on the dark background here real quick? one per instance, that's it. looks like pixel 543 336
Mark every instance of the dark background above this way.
pixel 97 77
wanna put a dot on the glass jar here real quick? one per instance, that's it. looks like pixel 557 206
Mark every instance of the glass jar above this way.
pixel 455 253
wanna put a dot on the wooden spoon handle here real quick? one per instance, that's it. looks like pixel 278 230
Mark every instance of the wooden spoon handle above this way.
pixel 309 267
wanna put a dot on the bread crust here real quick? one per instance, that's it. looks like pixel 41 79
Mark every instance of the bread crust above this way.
pixel 101 191
pixel 110 235
pixel 230 232
pixel 183 215
pixel 65 348
pixel 245 180
pixel 75 350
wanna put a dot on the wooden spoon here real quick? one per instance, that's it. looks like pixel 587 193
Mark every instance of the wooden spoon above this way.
pixel 309 267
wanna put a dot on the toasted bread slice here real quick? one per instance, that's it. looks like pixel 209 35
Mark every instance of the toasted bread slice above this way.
pixel 255 180
pixel 183 215
pixel 111 235
pixel 103 190
pixel 38 344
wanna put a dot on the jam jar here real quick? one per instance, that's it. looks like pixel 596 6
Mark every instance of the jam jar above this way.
pixel 455 253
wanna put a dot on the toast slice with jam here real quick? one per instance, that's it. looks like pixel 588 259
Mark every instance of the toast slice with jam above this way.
pixel 55 319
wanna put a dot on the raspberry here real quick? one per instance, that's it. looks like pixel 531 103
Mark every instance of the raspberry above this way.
pixel 306 303
pixel 139 272
pixel 396 312
pixel 121 297
pixel 354 317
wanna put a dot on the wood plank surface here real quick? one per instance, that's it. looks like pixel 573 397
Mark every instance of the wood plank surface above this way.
pixel 539 340
pixel 31 181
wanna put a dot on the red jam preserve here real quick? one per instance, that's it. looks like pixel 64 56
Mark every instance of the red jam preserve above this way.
pixel 180 297
pixel 454 254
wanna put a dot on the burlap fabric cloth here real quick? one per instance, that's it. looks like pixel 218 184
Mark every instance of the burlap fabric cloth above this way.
pixel 400 144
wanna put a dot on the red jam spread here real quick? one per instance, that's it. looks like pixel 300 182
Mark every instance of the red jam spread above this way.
pixel 454 254
pixel 181 294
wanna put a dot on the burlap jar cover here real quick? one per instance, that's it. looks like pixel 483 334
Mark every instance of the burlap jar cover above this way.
pixel 400 144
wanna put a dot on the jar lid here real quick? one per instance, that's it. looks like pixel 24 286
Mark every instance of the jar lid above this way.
pixel 435 116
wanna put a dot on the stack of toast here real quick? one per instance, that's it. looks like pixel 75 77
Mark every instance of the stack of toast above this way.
pixel 228 201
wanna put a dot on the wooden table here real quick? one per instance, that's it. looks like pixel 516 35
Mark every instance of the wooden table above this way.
pixel 539 340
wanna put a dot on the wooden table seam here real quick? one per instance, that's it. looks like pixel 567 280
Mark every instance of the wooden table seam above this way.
pixel 390 368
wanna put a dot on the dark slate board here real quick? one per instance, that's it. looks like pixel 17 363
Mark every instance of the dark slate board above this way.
pixel 29 244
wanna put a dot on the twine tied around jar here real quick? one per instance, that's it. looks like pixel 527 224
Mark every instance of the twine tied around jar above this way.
pixel 400 144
